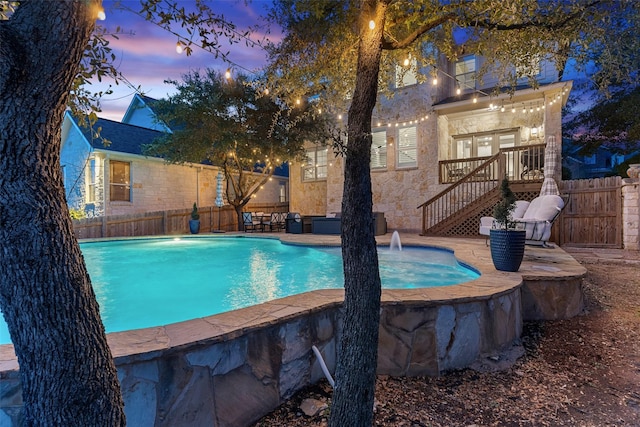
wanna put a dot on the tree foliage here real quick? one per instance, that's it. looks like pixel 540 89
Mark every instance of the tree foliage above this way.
pixel 345 50
pixel 613 122
pixel 227 122
pixel 319 49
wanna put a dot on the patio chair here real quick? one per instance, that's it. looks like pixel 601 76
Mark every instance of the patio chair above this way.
pixel 536 218
pixel 277 221
pixel 249 222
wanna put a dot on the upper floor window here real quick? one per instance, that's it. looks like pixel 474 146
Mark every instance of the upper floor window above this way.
pixel 406 73
pixel 379 150
pixel 466 73
pixel 407 147
pixel 120 181
pixel 316 165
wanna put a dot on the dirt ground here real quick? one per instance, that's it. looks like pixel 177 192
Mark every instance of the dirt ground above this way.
pixel 583 372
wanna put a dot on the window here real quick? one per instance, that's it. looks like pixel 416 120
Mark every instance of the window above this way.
pixel 316 166
pixel 466 73
pixel 120 181
pixel 406 74
pixel 379 150
pixel 282 190
pixel 407 147
pixel 90 194
pixel 482 145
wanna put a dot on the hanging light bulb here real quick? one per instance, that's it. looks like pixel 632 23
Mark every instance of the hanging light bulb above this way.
pixel 101 15
pixel 502 109
pixel 406 62
pixel 475 99
pixel 372 25
pixel 298 101
pixel 227 74
pixel 178 47
pixel 266 91
pixel 435 81
pixel 513 109
pixel 458 90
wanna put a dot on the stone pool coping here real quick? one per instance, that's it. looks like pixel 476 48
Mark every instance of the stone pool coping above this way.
pixel 544 268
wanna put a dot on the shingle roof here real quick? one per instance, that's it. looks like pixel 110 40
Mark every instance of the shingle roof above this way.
pixel 124 138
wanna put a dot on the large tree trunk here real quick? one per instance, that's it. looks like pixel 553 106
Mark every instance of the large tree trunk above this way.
pixel 67 373
pixel 358 349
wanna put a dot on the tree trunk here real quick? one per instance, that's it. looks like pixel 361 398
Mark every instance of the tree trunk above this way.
pixel 358 350
pixel 67 373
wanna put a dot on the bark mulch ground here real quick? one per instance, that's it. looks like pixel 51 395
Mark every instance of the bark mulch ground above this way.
pixel 583 372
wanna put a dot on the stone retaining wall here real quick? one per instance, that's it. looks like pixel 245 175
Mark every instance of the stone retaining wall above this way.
pixel 235 378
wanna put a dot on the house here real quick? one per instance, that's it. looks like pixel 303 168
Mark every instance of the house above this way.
pixel 117 178
pixel 603 161
pixel 428 136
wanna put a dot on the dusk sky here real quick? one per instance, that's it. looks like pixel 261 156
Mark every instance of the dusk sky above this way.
pixel 148 57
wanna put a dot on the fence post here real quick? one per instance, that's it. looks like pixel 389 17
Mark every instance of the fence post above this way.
pixel 165 223
pixel 104 227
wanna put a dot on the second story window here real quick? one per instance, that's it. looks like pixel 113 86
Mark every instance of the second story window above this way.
pixel 466 73
pixel 407 147
pixel 120 181
pixel 379 150
pixel 406 73
pixel 316 165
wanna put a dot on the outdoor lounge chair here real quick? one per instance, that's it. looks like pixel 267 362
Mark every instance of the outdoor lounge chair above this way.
pixel 536 218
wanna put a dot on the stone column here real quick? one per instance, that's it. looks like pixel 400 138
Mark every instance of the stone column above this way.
pixel 631 213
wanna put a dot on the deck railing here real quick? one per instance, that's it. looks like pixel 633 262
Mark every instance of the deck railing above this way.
pixel 523 163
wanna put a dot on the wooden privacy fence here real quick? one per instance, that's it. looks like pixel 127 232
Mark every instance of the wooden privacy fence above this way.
pixel 166 222
pixel 593 214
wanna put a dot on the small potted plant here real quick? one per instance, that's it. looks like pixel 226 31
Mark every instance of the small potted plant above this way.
pixel 194 222
pixel 507 243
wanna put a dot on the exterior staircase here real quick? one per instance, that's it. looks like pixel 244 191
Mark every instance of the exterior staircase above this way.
pixel 456 211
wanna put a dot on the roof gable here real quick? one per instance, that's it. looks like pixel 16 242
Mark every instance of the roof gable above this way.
pixel 123 138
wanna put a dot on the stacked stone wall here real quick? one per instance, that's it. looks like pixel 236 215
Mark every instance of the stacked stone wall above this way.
pixel 631 213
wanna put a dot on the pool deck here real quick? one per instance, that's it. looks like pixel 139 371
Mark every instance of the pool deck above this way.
pixel 540 266
pixel 233 368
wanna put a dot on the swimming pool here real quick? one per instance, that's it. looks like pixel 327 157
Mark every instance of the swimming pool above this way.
pixel 151 282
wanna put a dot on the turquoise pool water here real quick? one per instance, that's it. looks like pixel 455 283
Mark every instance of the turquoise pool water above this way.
pixel 152 282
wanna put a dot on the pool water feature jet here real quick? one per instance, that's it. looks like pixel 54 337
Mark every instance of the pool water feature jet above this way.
pixel 395 241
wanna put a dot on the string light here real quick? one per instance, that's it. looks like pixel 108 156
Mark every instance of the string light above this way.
pixel 372 25
pixel 227 74
pixel 179 47
pixel 101 15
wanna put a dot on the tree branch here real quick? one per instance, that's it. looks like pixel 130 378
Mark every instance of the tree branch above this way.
pixel 547 24
pixel 415 35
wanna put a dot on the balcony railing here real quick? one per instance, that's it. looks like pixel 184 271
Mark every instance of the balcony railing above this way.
pixel 523 163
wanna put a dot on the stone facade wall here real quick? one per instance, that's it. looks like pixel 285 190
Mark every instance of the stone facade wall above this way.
pixel 158 186
pixel 631 213
pixel 399 191
pixel 307 198
pixel 234 379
